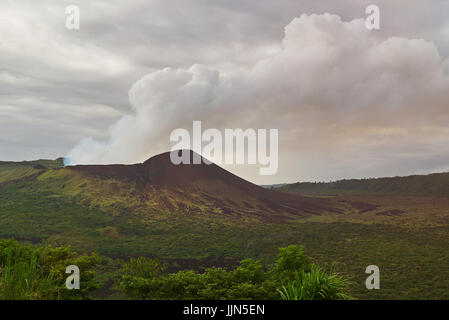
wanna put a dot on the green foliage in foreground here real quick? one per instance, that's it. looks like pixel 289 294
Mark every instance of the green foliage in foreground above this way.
pixel 315 285
pixel 143 279
pixel 37 273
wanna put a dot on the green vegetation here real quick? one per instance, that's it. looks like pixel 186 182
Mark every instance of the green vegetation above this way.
pixel 37 273
pixel 43 163
pixel 143 279
pixel 406 236
pixel 314 285
pixel 419 185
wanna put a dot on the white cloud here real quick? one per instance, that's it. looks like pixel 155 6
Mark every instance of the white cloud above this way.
pixel 329 80
pixel 344 98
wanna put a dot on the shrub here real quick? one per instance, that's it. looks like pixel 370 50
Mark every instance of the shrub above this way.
pixel 290 260
pixel 28 272
pixel 315 285
pixel 144 279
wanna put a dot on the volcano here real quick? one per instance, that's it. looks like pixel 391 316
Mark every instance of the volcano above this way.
pixel 204 188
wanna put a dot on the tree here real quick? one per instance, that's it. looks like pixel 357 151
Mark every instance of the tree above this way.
pixel 290 260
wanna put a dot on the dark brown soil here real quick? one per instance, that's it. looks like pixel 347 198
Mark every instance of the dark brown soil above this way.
pixel 391 213
pixel 200 183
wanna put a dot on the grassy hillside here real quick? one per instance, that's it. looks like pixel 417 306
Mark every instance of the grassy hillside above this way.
pixel 212 222
pixel 25 170
pixel 42 164
pixel 418 185
pixel 400 224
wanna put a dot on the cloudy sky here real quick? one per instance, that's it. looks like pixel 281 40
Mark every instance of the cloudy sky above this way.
pixel 348 102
